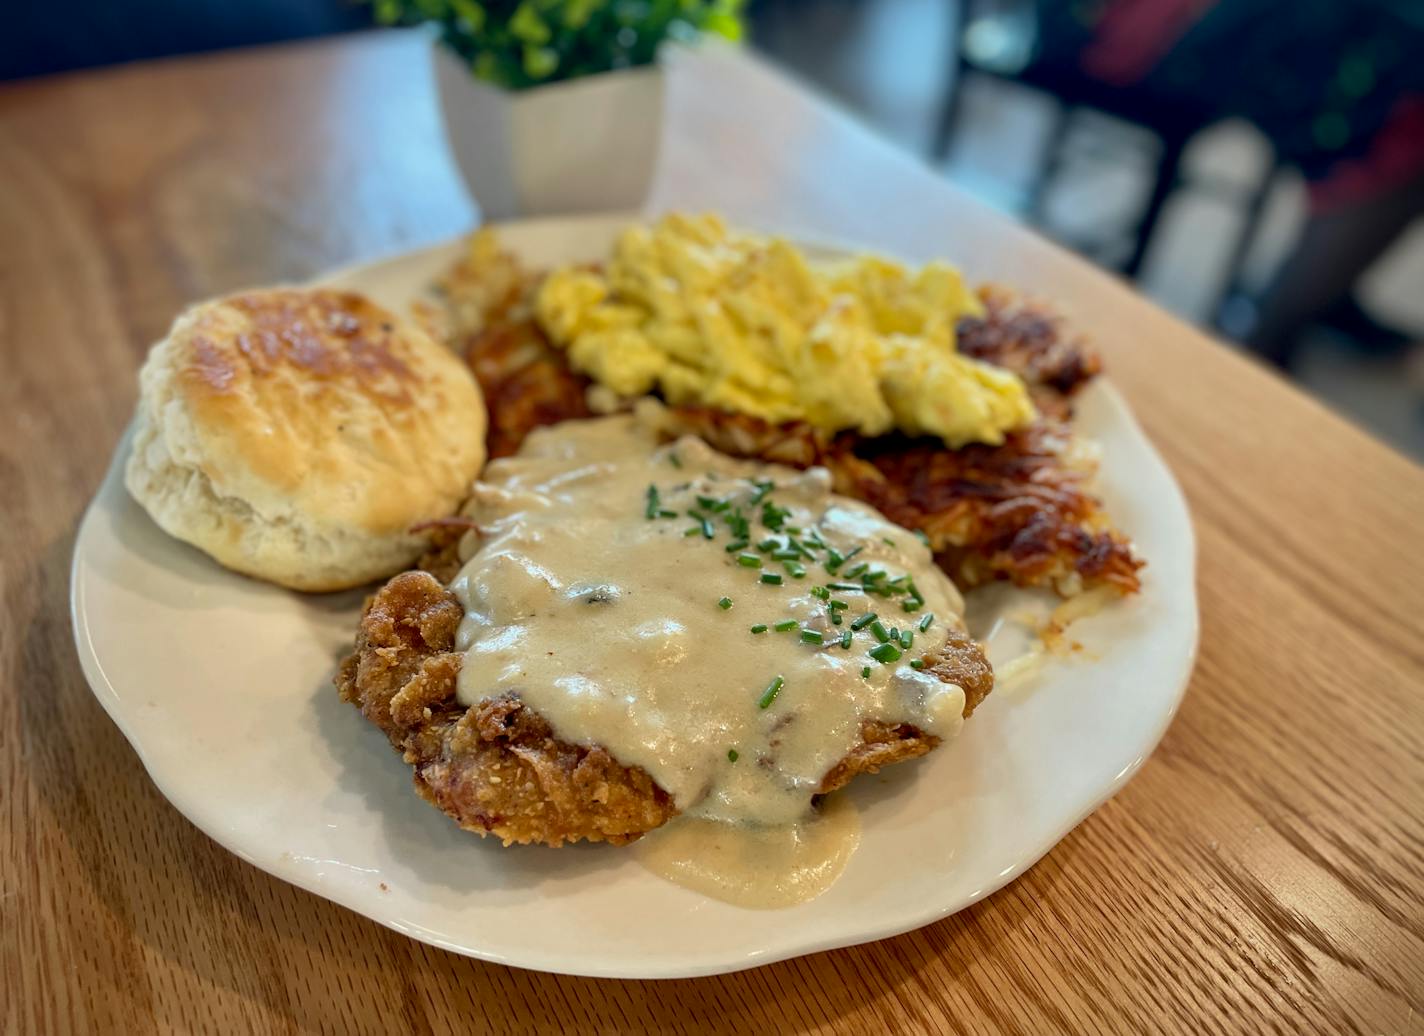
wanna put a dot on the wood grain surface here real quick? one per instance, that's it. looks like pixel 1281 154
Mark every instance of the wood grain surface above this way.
pixel 1264 871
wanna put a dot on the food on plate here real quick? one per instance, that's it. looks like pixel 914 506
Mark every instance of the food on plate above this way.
pixel 713 572
pixel 299 435
pixel 1030 341
pixel 644 630
pixel 749 325
pixel 1021 511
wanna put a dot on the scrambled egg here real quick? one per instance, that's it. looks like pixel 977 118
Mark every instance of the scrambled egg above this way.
pixel 747 324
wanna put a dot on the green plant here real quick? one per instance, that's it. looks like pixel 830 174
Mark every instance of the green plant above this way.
pixel 522 43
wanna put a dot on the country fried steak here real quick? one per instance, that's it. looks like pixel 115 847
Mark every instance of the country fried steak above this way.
pixel 1020 512
pixel 497 768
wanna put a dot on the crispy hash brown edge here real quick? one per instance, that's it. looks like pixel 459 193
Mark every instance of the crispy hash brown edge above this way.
pixel 1017 512
pixel 496 767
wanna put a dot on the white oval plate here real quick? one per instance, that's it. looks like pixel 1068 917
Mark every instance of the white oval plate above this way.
pixel 223 686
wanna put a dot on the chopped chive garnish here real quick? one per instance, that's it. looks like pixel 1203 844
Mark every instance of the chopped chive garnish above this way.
pixel 811 637
pixel 707 531
pixel 864 621
pixel 834 560
pixel 857 571
pixel 772 516
pixel 875 576
pixel 845 639
pixel 916 598
pixel 654 504
pixel 732 756
pixel 786 555
pixel 785 626
pixel 846 586
pixel 770 543
pixel 762 488
pixel 749 561
pixel 853 552
pixel 759 628
pixel 737 522
pixel 923 538
pixel 887 541
pixel 795 569
pixel 821 592
pixel 878 628
pixel 907 638
pixel 772 690
pixel 724 603
pixel 916 663
pixel 771 578
pixel 674 460
pixel 736 545
pixel 692 530
pixel 885 654
pixel 865 673
pixel 836 618
pixel 926 620
pixel 713 504
pixel 837 606
pixel 665 513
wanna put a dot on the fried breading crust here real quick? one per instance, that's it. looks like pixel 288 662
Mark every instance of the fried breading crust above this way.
pixel 496 767
pixel 960 661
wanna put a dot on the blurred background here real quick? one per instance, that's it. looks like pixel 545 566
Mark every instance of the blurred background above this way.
pixel 1256 166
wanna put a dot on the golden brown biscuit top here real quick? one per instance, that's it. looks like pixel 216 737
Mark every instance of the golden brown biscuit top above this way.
pixel 325 402
pixel 324 334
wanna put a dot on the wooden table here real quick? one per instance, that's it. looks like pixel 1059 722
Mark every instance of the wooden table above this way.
pixel 1265 871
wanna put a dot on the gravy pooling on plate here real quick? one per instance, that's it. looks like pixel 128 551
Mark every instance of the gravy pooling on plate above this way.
pixel 706 619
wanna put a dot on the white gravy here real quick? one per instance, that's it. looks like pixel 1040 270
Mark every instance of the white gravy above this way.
pixel 608 623
pixel 753 866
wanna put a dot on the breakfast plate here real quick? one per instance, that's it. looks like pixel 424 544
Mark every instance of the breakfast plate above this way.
pixel 224 687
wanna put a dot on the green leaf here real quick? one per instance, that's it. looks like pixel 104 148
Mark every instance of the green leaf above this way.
pixel 526 25
pixel 486 67
pixel 469 12
pixel 520 43
pixel 387 12
pixel 723 24
pixel 578 12
pixel 540 62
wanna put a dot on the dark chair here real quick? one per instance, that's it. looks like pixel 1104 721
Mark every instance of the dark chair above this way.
pixel 1037 45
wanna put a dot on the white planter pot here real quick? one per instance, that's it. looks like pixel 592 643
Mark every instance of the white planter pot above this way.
pixel 583 145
